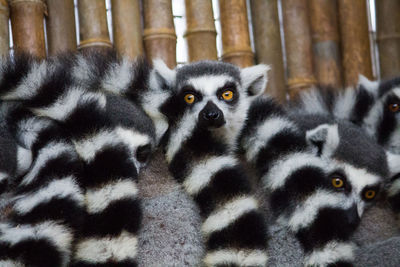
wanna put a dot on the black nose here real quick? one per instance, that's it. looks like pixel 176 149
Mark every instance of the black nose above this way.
pixel 211 116
pixel 352 216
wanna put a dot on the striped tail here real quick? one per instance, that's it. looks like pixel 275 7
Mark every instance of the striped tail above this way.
pixel 300 197
pixel 48 205
pixel 108 151
pixel 233 226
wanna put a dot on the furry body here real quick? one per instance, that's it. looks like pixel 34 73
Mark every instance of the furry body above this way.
pixel 374 107
pixel 296 158
pixel 111 151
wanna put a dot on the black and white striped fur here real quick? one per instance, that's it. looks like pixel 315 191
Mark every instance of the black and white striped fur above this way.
pixel 200 154
pixel 201 158
pixel 46 204
pixel 372 106
pixel 112 152
pixel 296 159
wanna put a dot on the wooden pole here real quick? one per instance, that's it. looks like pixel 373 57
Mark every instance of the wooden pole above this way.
pixel 388 32
pixel 356 53
pixel 159 32
pixel 127 27
pixel 201 31
pixel 235 33
pixel 267 40
pixel 4 34
pixel 93 29
pixel 325 37
pixel 27 26
pixel 60 25
pixel 298 45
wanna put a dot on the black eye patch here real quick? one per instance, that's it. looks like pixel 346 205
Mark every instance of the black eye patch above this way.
pixel 143 153
pixel 229 86
pixel 370 192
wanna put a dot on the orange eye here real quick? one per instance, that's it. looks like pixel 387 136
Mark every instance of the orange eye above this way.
pixel 337 182
pixel 227 95
pixel 189 98
pixel 370 194
pixel 394 107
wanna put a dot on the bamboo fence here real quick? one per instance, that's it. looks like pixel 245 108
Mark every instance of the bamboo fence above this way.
pixel 305 41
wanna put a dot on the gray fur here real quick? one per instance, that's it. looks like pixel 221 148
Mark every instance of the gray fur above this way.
pixel 206 67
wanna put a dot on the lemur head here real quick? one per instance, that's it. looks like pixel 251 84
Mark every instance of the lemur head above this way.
pixel 215 96
pixel 383 120
pixel 358 166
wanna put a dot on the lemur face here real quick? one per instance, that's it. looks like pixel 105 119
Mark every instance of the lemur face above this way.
pixel 358 166
pixel 383 120
pixel 389 127
pixel 215 96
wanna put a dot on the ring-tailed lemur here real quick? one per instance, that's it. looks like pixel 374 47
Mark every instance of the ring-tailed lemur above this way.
pixel 46 209
pixel 205 113
pixel 318 181
pixel 112 151
pixel 374 106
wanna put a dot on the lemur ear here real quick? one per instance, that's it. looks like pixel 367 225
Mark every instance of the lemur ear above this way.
pixel 393 163
pixel 254 79
pixel 162 77
pixel 324 139
pixel 371 86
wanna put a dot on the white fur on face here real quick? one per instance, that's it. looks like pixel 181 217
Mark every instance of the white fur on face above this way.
pixel 99 199
pixel 228 213
pixel 359 179
pixel 209 84
pixel 244 258
pixel 100 250
pixel 234 116
pixel 332 252
pixel 202 173
pixel 63 188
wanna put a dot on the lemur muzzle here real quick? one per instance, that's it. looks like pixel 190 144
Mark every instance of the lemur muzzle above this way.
pixel 211 116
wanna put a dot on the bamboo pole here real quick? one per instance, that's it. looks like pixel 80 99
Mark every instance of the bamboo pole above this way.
pixel 356 53
pixel 127 28
pixel 388 32
pixel 93 29
pixel 201 31
pixel 325 37
pixel 27 26
pixel 159 32
pixel 267 40
pixel 4 34
pixel 235 33
pixel 298 45
pixel 60 25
